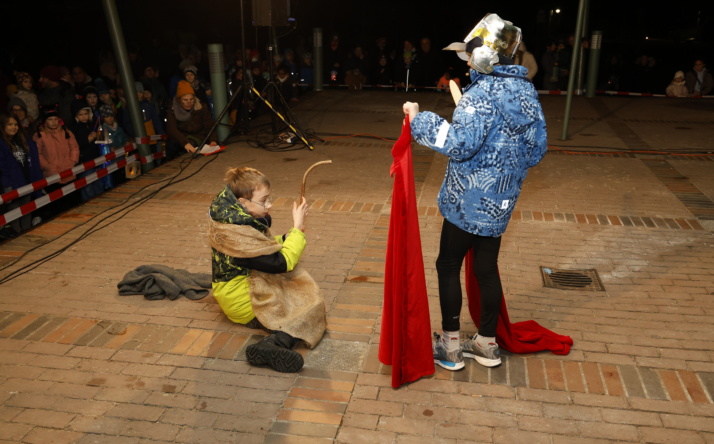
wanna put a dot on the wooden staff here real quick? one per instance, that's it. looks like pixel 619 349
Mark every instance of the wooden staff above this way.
pixel 455 91
pixel 304 177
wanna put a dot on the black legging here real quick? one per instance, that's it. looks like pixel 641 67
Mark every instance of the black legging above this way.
pixel 455 243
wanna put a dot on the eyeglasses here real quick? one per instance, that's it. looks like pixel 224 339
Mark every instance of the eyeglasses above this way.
pixel 268 201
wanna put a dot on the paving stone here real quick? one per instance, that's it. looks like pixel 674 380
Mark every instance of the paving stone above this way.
pixel 128 370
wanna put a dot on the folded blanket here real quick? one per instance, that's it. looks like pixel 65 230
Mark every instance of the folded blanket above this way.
pixel 159 281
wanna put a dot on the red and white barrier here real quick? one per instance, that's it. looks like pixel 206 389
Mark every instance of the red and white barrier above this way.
pixel 77 184
pixel 64 191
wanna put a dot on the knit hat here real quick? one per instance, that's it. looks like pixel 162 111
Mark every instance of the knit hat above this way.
pixel 78 105
pixel 16 101
pixel 89 89
pixel 101 86
pixel 51 72
pixel 192 69
pixel 106 111
pixel 184 88
pixel 146 85
pixel 139 87
pixel 48 111
pixel 679 74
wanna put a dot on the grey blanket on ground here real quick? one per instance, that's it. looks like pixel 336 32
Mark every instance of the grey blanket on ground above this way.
pixel 157 282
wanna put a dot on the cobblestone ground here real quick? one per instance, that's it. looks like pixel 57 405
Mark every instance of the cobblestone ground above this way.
pixel 627 198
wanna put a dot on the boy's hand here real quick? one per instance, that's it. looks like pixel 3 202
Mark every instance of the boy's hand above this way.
pixel 299 213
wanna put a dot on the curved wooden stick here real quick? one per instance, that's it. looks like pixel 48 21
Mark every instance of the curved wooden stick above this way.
pixel 304 177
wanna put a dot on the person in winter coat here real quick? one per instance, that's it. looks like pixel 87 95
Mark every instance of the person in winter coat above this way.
pixel 699 80
pixel 497 133
pixel 56 91
pixel 86 133
pixel 677 87
pixel 59 152
pixel 57 145
pixel 19 166
pixel 526 59
pixel 26 92
pixel 188 122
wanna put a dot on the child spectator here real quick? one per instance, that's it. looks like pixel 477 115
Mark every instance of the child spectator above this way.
pixel 18 109
pixel 286 84
pixel 307 76
pixel 59 151
pixel 86 135
pixel 152 122
pixel 26 92
pixel 19 166
pixel 677 87
pixel 202 90
pixel 248 261
pixel 383 72
pixel 443 83
pixel 91 96
pixel 114 137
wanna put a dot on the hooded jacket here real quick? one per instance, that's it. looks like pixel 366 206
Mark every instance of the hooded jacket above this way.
pixel 497 133
pixel 58 150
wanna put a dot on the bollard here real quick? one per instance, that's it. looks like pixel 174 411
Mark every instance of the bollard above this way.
pixel 317 57
pixel 594 61
pixel 218 86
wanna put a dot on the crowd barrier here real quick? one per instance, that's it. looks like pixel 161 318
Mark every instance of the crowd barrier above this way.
pixel 126 155
pixel 546 92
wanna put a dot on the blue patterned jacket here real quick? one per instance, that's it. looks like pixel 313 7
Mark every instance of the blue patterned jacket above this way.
pixel 497 133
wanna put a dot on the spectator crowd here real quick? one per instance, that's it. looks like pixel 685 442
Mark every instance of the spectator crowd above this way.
pixel 64 115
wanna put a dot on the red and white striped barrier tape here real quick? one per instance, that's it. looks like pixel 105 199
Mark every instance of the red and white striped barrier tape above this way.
pixel 558 92
pixel 40 184
pixel 65 190
pixel 99 161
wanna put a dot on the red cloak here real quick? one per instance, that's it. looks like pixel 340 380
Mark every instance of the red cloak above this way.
pixel 405 341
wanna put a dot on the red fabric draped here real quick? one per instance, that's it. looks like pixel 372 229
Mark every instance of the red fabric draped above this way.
pixel 520 337
pixel 405 341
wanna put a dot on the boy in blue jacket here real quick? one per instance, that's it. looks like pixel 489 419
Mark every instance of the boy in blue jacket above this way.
pixel 497 133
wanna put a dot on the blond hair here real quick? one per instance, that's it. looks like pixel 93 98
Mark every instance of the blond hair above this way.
pixel 244 180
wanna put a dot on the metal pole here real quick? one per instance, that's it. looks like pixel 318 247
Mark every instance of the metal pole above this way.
pixel 593 64
pixel 579 90
pixel 573 66
pixel 127 79
pixel 218 85
pixel 317 57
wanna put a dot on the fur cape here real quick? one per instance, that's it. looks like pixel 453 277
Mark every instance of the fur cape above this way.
pixel 290 302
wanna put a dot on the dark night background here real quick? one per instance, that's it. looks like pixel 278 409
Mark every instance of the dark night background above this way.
pixel 67 32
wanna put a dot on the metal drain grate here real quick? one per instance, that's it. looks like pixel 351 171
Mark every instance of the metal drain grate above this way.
pixel 571 279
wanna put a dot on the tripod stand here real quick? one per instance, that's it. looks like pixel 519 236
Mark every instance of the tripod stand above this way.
pixel 291 121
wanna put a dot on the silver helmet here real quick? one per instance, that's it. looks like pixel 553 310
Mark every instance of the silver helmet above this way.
pixel 491 40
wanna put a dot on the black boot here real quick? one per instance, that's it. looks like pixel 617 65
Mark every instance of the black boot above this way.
pixel 276 351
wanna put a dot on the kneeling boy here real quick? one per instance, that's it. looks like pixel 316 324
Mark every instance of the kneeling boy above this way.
pixel 254 277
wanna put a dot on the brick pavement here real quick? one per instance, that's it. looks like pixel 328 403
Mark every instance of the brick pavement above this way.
pixel 81 364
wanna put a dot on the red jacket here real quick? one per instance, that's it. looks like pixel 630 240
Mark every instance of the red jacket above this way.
pixel 58 151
